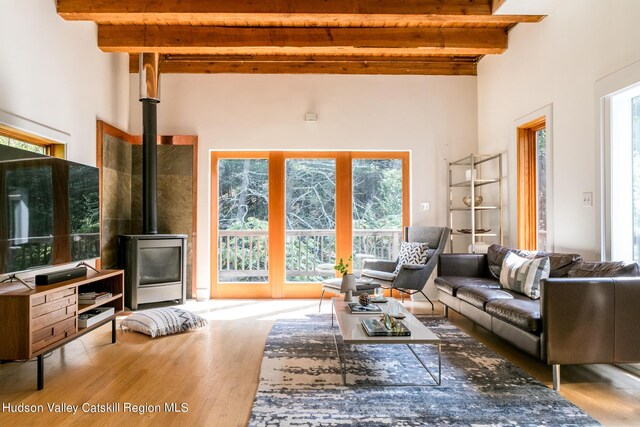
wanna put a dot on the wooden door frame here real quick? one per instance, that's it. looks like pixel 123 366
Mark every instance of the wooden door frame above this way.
pixel 527 183
pixel 276 286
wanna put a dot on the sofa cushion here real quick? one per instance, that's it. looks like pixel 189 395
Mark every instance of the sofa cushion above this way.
pixel 560 263
pixel 377 274
pixel 495 256
pixel 479 297
pixel 522 312
pixel 605 269
pixel 412 253
pixel 450 284
pixel 523 275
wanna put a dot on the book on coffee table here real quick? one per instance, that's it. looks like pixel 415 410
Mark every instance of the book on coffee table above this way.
pixel 375 328
pixel 356 308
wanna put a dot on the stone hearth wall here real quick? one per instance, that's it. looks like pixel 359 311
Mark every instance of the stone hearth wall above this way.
pixel 116 196
pixel 175 194
pixel 122 195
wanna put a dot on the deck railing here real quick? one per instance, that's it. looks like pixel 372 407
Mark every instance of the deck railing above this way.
pixel 310 254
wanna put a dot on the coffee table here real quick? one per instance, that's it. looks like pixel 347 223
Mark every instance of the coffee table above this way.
pixel 352 332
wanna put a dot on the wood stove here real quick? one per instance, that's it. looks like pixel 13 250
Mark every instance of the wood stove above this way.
pixel 155 268
pixel 154 264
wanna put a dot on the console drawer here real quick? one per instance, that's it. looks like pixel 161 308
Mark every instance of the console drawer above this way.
pixel 57 304
pixel 54 333
pixel 54 317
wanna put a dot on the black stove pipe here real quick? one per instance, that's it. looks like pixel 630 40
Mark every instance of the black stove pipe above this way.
pixel 149 166
pixel 150 97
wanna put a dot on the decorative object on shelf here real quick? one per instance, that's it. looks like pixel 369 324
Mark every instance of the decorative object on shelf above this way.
pixel 480 248
pixel 348 285
pixel 364 299
pixel 378 296
pixel 91 317
pixel 468 176
pixel 387 326
pixel 342 267
pixel 356 308
pixel 478 230
pixel 467 201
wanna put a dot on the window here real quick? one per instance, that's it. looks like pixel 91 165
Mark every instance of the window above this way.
pixel 624 206
pixel 22 145
pixel 28 142
pixel 377 209
pixel 532 186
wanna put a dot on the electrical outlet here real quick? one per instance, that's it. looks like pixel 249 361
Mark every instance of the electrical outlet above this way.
pixel 425 206
pixel 587 199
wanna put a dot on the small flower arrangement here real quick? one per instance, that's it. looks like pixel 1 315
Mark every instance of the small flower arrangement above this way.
pixel 343 268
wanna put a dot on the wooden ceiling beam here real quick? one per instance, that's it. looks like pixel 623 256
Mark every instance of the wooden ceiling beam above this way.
pixel 324 67
pixel 224 40
pixel 288 13
pixel 373 67
pixel 306 20
pixel 89 9
pixel 327 64
pixel 310 64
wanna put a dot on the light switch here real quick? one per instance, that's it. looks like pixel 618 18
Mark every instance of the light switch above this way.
pixel 425 206
pixel 587 199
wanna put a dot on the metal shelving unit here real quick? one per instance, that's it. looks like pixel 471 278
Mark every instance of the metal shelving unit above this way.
pixel 474 215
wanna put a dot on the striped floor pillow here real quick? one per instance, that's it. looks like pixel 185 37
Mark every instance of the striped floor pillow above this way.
pixel 163 321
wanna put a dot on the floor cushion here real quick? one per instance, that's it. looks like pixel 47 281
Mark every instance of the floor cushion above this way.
pixel 163 321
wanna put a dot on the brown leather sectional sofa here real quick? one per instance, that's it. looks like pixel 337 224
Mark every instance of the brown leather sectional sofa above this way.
pixel 587 312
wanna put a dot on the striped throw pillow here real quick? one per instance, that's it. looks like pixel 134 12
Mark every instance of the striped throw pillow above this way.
pixel 163 321
pixel 523 275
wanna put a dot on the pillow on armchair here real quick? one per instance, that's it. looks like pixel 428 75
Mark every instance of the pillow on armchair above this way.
pixel 412 253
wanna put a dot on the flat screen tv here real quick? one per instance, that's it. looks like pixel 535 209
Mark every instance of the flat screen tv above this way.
pixel 49 211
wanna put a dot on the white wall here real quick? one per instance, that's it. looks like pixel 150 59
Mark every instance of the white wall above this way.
pixel 52 73
pixel 558 62
pixel 434 117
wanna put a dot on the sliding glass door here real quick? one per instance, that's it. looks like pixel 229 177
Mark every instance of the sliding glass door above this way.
pixel 310 221
pixel 243 221
pixel 377 209
pixel 280 220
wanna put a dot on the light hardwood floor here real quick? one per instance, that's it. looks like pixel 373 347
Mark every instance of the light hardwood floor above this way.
pixel 215 371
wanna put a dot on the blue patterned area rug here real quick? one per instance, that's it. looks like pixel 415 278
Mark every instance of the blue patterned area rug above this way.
pixel 301 384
